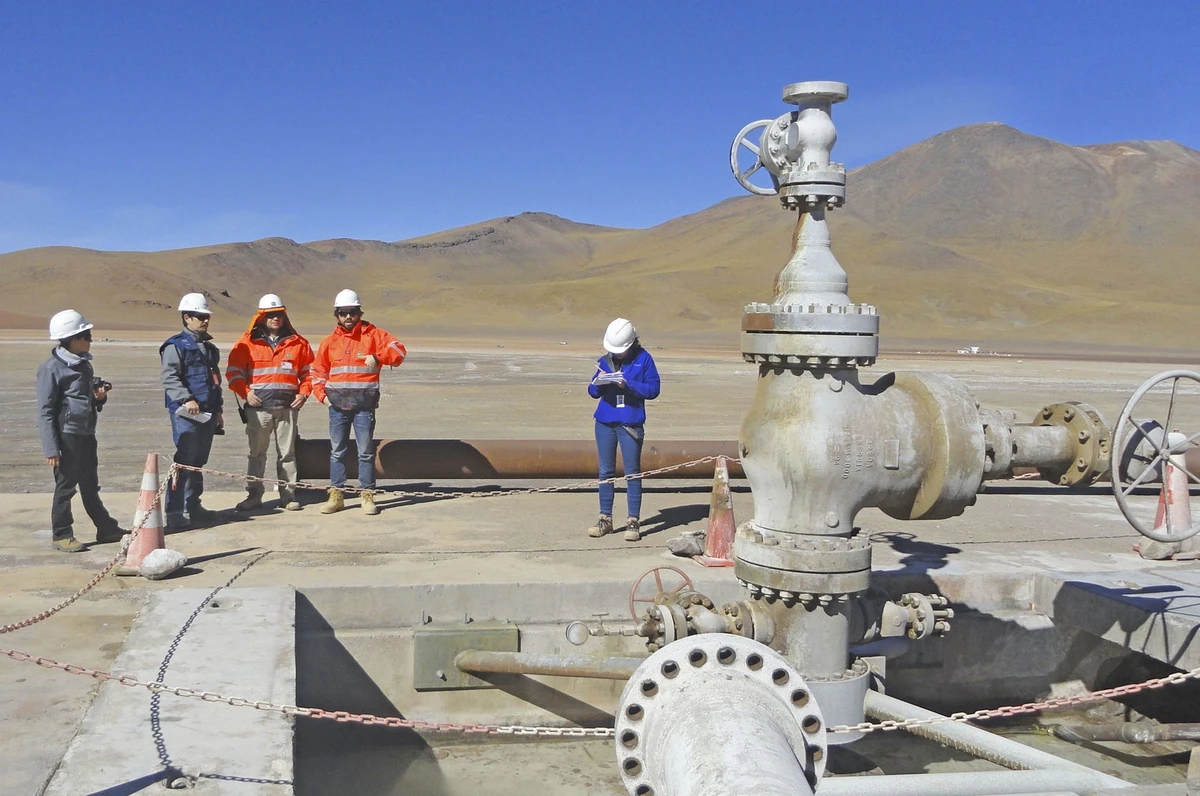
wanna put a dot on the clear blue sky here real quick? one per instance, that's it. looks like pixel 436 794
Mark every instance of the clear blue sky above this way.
pixel 149 124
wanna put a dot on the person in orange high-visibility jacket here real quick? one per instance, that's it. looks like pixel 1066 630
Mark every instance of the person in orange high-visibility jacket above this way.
pixel 346 374
pixel 270 368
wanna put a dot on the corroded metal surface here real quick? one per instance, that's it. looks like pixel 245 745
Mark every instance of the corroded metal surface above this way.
pixel 449 459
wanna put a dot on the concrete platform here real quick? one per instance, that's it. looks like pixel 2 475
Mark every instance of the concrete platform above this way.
pixel 1025 553
pixel 1024 550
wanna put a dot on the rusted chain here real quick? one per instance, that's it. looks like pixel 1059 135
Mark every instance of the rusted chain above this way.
pixel 370 719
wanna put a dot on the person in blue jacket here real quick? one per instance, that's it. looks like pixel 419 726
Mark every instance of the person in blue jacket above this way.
pixel 191 378
pixel 625 379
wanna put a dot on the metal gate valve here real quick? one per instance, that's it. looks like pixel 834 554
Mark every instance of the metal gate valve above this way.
pixel 795 148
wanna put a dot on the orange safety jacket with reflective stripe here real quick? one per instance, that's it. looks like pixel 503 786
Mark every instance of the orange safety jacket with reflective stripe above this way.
pixel 339 372
pixel 275 374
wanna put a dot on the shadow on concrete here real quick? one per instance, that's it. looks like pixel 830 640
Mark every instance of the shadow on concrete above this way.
pixel 215 556
pixel 918 557
pixel 549 699
pixel 335 757
pixel 136 785
pixel 673 517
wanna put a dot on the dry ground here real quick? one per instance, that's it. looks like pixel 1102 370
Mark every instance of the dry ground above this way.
pixel 451 390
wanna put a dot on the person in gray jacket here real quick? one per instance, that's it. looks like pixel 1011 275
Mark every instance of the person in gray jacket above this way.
pixel 69 400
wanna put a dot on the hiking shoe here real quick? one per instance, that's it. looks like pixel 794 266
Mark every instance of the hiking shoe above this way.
pixel 368 502
pixel 633 529
pixel 201 514
pixel 292 505
pixel 335 503
pixel 112 534
pixel 602 527
pixel 68 545
pixel 251 503
pixel 178 522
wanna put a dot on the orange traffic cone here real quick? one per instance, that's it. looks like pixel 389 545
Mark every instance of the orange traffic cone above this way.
pixel 148 521
pixel 718 539
pixel 1174 513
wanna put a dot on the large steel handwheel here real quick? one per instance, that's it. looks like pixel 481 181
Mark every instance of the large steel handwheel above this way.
pixel 1151 444
pixel 663 587
pixel 743 141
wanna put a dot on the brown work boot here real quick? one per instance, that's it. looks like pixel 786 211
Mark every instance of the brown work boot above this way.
pixel 251 503
pixel 109 535
pixel 288 502
pixel 633 530
pixel 602 527
pixel 68 545
pixel 336 501
pixel 368 502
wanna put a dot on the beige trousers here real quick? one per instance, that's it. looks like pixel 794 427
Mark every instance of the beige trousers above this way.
pixel 261 426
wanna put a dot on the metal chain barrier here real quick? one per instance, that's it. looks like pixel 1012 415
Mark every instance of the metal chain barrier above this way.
pixel 156 731
pixel 250 479
pixel 1174 678
pixel 99 576
pixel 576 732
pixel 159 687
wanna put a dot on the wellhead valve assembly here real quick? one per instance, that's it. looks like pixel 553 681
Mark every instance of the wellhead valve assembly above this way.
pixel 820 443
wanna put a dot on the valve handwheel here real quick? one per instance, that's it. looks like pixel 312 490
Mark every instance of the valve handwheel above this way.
pixel 742 140
pixel 1159 448
pixel 635 597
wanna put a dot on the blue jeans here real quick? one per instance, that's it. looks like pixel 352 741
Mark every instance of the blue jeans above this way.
pixel 608 436
pixel 193 442
pixel 363 421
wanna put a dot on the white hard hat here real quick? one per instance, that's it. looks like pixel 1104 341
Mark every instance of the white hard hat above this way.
pixel 271 302
pixel 346 298
pixel 67 323
pixel 194 302
pixel 619 336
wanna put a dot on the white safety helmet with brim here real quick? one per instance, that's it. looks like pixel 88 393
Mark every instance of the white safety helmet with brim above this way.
pixel 271 302
pixel 620 336
pixel 346 298
pixel 67 324
pixel 195 303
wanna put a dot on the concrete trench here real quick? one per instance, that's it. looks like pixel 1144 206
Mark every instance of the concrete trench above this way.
pixel 351 648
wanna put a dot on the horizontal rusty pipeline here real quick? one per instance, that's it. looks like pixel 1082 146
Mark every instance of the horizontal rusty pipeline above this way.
pixel 448 459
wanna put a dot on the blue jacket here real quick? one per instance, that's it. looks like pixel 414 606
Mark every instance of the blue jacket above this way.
pixel 191 370
pixel 626 405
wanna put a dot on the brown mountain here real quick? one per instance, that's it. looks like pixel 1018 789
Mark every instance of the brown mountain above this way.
pixel 982 234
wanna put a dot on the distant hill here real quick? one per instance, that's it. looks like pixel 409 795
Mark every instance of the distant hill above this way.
pixel 982 235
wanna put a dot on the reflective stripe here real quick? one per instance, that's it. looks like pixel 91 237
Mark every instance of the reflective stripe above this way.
pixel 351 385
pixel 232 372
pixel 273 383
pixel 350 369
pixel 269 371
pixel 319 380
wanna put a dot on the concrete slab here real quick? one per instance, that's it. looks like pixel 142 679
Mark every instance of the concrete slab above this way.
pixel 1154 611
pixel 240 644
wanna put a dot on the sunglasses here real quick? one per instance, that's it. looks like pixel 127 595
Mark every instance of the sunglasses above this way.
pixel 347 313
pixel 198 316
pixel 84 336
